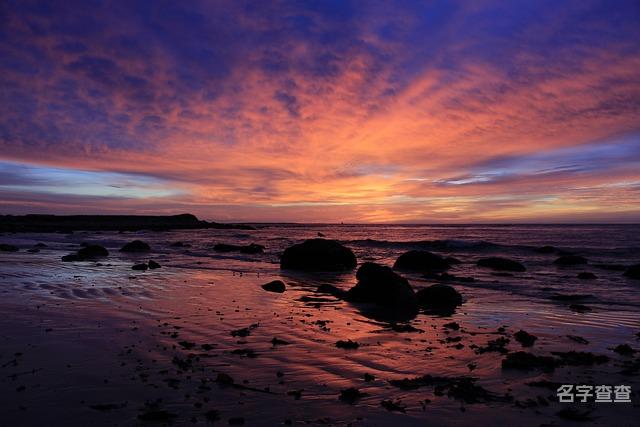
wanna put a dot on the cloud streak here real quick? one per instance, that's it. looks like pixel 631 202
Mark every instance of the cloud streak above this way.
pixel 332 111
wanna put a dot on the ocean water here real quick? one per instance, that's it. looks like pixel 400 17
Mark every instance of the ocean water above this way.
pixel 96 333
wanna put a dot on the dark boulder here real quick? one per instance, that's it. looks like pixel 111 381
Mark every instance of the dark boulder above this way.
pixel 422 261
pixel 8 248
pixel 382 286
pixel 153 265
pixel 633 272
pixel 140 267
pixel 503 264
pixel 91 251
pixel 277 286
pixel 318 255
pixel 585 275
pixel 570 260
pixel 136 246
pixel 439 297
pixel 73 258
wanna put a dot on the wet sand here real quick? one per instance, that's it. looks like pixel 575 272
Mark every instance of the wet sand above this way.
pixel 193 341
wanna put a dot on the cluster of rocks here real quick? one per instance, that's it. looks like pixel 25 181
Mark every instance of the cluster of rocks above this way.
pixel 377 284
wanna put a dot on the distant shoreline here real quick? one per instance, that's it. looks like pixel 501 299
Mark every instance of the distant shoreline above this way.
pixel 68 223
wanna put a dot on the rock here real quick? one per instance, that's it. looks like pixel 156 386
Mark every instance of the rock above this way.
pixel 422 261
pixel 351 395
pixel 546 249
pixel 439 297
pixel 382 286
pixel 369 377
pixel 525 338
pixel 585 275
pixel 570 260
pixel 140 267
pixel 253 248
pixel 348 344
pixel 452 260
pixel 580 308
pixel 633 272
pixel 578 339
pixel 318 255
pixel 570 297
pixel 277 286
pixel 503 264
pixel 92 251
pixel 135 246
pixel 277 341
pixel 8 248
pixel 153 265
pixel 392 406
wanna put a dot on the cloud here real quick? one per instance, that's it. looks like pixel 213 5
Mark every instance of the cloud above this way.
pixel 447 110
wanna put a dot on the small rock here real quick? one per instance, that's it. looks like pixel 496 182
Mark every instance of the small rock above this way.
pixel 585 275
pixel 136 246
pixel 348 344
pixel 351 395
pixel 140 267
pixel 8 248
pixel 277 286
pixel 503 264
pixel 153 265
pixel 422 261
pixel 633 272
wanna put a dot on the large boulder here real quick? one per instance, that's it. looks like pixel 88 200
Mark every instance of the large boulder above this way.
pixel 136 246
pixel 633 272
pixel 380 285
pixel 92 251
pixel 503 264
pixel 443 297
pixel 318 255
pixel 422 261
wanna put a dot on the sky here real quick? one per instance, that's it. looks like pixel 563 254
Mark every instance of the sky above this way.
pixel 322 111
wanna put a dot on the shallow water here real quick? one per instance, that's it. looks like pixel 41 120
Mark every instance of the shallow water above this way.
pixel 103 334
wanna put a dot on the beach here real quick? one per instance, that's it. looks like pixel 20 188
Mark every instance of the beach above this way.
pixel 198 340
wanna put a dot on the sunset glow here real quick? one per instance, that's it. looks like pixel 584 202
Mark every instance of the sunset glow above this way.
pixel 324 111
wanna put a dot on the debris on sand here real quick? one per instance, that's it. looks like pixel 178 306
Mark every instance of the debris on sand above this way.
pixel 351 395
pixel 276 286
pixel 624 349
pixel 348 344
pixel 578 339
pixel 462 388
pixel 580 358
pixel 244 332
pixel 574 415
pixel 277 341
pixel 498 345
pixel 452 325
pixel 525 338
pixel 526 361
pixel 392 406
pixel 157 416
